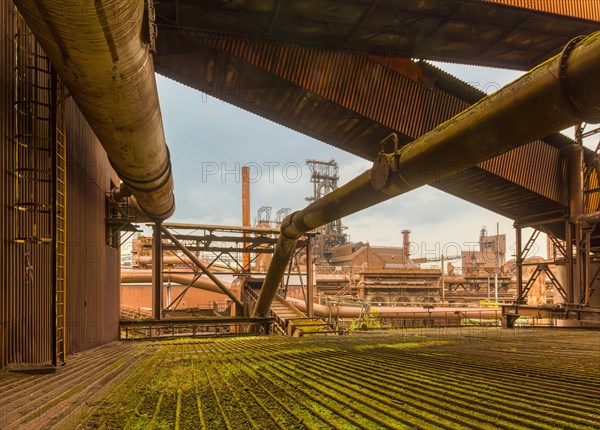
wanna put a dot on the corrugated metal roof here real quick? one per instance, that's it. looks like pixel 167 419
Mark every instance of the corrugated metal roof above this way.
pixel 335 92
pixel 584 9
pixel 474 32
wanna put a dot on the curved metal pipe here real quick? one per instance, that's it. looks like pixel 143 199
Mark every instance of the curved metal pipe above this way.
pixel 133 276
pixel 589 220
pixel 563 91
pixel 325 311
pixel 98 50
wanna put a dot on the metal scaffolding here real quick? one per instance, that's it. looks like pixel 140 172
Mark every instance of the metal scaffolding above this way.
pixel 324 177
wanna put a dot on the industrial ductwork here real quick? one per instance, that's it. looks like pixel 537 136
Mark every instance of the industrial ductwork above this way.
pixel 129 276
pixel 562 92
pixel 100 50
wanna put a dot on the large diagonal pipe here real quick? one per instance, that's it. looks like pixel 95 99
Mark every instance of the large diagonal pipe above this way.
pixel 557 94
pixel 100 51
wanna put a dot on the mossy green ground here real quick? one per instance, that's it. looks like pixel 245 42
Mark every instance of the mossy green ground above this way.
pixel 445 378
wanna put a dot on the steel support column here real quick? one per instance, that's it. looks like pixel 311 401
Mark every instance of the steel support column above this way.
pixel 575 162
pixel 519 259
pixel 157 278
pixel 569 258
pixel 586 274
pixel 310 296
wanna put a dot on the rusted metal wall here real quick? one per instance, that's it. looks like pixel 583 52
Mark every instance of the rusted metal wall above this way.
pixel 26 269
pixel 586 9
pixel 93 269
pixel 6 64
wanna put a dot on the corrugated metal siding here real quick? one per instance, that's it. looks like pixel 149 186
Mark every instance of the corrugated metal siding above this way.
pixel 26 268
pixel 349 80
pixel 6 158
pixel 536 166
pixel 585 9
pixel 93 269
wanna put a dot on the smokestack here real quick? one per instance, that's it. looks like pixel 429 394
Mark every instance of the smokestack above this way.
pixel 406 245
pixel 246 210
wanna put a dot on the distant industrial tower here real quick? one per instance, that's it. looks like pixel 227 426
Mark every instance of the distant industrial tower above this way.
pixel 324 176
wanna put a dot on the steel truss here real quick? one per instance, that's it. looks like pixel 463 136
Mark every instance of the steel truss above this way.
pixel 221 247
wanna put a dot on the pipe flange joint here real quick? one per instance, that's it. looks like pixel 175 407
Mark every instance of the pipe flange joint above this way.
pixel 292 226
pixel 575 106
pixel 380 172
pixel 385 164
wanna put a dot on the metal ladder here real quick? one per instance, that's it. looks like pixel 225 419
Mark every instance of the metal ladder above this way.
pixel 33 140
pixel 60 226
pixel 40 171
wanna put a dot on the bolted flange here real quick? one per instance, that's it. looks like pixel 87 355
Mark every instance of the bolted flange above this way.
pixel 380 172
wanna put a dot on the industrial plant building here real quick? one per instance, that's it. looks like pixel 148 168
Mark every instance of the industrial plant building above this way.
pixel 305 329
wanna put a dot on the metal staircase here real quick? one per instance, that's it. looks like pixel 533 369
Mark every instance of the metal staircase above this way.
pixel 290 320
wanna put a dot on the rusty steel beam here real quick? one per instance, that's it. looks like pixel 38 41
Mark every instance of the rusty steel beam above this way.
pixel 220 228
pixel 557 94
pixel 157 275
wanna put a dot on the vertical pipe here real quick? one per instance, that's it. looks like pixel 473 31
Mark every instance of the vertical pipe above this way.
pixel 246 212
pixel 550 254
pixel 309 280
pixel 443 283
pixel 569 247
pixel 519 246
pixel 497 262
pixel 157 280
pixel 578 269
pixel 587 280
pixel 575 162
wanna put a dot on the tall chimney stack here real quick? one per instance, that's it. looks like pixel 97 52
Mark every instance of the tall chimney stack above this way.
pixel 406 245
pixel 246 210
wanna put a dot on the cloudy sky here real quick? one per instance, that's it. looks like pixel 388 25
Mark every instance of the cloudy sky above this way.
pixel 209 140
